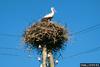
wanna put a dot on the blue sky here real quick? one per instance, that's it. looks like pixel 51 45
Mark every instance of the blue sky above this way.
pixel 16 15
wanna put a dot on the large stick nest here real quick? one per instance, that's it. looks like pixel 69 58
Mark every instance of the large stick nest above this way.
pixel 46 34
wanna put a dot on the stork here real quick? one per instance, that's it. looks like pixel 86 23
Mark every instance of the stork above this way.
pixel 49 16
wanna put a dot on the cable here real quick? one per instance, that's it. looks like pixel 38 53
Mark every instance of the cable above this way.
pixel 77 54
pixel 14 55
pixel 91 28
pixel 85 52
pixel 9 35
pixel 9 48
pixel 8 54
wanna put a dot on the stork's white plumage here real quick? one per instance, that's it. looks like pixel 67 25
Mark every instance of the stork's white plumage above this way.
pixel 49 16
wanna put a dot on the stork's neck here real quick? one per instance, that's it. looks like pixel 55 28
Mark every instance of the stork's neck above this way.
pixel 52 11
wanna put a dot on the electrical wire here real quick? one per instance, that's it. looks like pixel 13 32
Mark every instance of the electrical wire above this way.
pixel 88 29
pixel 85 30
pixel 7 48
pixel 84 52
pixel 16 55
pixel 8 54
pixel 91 28
pixel 9 35
pixel 77 54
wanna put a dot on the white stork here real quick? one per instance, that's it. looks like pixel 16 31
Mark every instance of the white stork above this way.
pixel 49 16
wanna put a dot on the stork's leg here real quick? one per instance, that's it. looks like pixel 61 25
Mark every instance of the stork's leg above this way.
pixel 50 18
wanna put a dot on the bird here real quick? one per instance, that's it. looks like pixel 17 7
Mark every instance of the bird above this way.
pixel 49 16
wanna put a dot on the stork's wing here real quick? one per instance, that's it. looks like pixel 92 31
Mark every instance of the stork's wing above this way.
pixel 48 15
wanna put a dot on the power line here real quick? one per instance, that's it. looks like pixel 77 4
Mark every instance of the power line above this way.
pixel 91 28
pixel 88 29
pixel 9 35
pixel 7 48
pixel 77 54
pixel 8 54
pixel 85 52
pixel 14 55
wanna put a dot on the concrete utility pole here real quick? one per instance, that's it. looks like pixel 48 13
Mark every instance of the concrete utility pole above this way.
pixel 51 59
pixel 44 55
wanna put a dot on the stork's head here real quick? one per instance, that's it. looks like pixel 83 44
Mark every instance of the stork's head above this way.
pixel 53 9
